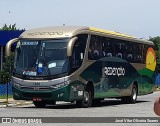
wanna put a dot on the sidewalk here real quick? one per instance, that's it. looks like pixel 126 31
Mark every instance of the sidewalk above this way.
pixel 157 89
pixel 12 102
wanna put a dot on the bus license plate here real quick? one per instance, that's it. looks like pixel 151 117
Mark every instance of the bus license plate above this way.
pixel 37 99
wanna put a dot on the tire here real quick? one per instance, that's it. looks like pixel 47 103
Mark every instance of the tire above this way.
pixel 86 101
pixel 133 98
pixel 39 104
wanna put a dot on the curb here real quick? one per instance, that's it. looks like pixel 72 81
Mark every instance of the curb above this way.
pixel 157 89
pixel 14 103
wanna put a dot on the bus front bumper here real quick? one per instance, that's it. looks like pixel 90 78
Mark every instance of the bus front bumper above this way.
pixel 67 93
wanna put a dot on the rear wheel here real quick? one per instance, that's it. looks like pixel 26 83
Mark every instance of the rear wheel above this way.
pixel 133 98
pixel 39 104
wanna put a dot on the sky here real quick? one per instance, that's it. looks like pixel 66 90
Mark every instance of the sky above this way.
pixel 140 18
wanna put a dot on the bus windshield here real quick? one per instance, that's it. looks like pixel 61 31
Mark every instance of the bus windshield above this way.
pixel 41 58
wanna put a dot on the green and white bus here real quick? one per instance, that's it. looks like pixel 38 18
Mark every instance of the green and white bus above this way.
pixel 82 64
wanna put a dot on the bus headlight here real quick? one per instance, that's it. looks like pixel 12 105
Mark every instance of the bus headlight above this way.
pixel 60 85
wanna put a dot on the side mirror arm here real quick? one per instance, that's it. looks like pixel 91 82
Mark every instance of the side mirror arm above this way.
pixel 8 46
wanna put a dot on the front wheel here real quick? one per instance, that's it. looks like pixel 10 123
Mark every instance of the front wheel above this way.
pixel 86 101
pixel 39 104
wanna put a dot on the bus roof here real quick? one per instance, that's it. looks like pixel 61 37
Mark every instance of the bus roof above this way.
pixel 69 31
pixel 111 32
pixel 53 32
pixel 120 35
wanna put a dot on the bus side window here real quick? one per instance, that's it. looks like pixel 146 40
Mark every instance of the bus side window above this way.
pixel 95 48
pixel 120 48
pixel 138 48
pixel 129 51
pixel 107 48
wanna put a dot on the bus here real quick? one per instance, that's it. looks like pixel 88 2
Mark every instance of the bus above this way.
pixel 81 64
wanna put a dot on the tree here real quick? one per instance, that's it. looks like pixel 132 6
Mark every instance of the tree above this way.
pixel 156 41
pixel 10 27
pixel 5 74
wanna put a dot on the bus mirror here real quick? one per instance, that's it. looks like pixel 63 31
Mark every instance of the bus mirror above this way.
pixel 8 46
pixel 70 46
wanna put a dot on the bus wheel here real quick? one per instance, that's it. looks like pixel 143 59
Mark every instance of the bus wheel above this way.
pixel 39 104
pixel 86 101
pixel 133 98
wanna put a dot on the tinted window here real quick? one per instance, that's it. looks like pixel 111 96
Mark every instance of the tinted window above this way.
pixel 95 48
pixel 109 47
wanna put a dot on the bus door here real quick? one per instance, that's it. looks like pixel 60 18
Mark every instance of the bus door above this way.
pixel 78 52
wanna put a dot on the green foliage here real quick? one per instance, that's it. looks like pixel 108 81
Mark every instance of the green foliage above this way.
pixel 156 41
pixel 4 96
pixel 9 27
pixel 4 77
pixel 5 74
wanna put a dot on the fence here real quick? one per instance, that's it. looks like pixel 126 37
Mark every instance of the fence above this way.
pixel 3 89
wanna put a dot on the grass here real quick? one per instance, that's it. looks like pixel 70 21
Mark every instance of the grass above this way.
pixel 5 96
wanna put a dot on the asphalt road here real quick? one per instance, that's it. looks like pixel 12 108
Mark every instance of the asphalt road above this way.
pixel 108 108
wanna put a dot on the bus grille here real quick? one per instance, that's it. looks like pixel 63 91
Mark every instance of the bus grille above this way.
pixel 36 88
pixel 39 95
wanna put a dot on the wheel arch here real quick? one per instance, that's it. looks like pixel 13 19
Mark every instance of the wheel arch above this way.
pixel 90 87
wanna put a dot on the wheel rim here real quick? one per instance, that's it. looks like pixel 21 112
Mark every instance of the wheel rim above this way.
pixel 134 94
pixel 86 97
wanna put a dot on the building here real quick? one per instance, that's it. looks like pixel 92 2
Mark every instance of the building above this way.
pixel 5 36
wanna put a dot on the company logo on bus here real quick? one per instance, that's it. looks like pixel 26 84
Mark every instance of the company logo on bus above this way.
pixel 114 71
pixel 44 33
